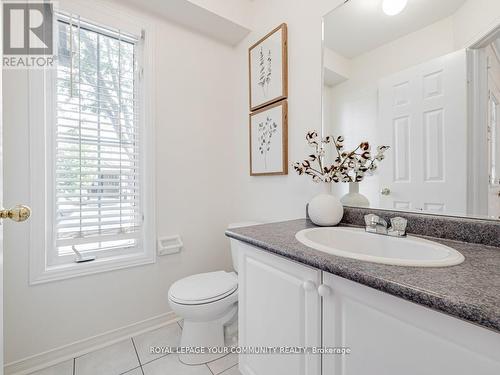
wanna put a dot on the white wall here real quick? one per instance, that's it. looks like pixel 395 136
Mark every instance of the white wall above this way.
pixel 336 63
pixel 203 181
pixel 474 20
pixel 290 193
pixel 195 193
pixel 283 197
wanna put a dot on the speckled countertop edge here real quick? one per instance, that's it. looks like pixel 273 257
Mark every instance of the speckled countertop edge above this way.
pixel 414 284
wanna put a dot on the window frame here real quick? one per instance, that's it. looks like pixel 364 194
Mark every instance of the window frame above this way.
pixel 45 266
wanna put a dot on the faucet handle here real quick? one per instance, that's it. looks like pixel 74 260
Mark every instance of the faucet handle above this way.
pixel 398 226
pixel 371 220
pixel 375 224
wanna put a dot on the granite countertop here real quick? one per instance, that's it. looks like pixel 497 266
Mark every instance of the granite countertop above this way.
pixel 469 291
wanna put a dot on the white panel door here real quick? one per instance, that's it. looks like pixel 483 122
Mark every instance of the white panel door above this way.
pixel 422 116
pixel 493 145
pixel 390 336
pixel 278 306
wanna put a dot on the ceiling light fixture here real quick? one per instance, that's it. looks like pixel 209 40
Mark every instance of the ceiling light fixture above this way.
pixel 393 7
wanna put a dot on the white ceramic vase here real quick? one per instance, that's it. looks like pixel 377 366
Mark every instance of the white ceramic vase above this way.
pixel 325 209
pixel 354 198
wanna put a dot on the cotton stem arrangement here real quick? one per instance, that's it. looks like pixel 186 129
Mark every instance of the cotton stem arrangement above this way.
pixel 348 166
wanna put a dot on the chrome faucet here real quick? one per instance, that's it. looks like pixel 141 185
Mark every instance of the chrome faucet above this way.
pixel 375 224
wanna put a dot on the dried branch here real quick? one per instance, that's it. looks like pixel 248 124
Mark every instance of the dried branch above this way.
pixel 350 166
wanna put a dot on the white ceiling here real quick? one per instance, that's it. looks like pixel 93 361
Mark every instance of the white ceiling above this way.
pixel 193 15
pixel 360 26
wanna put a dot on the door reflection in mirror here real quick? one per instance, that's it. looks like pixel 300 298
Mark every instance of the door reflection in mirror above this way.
pixel 427 83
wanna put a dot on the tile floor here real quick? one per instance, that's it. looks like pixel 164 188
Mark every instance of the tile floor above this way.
pixel 132 357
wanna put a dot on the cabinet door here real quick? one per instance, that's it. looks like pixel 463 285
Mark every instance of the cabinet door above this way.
pixel 388 335
pixel 278 306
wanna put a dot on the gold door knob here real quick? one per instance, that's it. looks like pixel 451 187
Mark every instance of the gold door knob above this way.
pixel 18 213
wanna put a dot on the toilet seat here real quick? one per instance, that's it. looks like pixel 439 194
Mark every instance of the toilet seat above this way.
pixel 203 288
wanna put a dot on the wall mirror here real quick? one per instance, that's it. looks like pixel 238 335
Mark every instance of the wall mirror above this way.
pixel 423 77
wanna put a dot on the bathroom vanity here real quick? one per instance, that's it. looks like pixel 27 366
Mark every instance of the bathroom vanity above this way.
pixel 402 306
pixel 391 319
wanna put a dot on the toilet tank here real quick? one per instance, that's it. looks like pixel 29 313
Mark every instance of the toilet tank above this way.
pixel 233 242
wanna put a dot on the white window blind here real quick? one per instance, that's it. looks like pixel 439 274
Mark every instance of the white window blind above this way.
pixel 97 140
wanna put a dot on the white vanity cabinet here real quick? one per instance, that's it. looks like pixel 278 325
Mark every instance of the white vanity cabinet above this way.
pixel 278 305
pixel 285 303
pixel 390 336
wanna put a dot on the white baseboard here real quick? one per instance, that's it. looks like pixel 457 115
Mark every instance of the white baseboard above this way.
pixel 63 353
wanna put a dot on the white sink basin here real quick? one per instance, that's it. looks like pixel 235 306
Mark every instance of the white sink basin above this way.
pixel 357 244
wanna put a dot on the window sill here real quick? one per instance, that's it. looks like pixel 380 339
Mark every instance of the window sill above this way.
pixel 71 270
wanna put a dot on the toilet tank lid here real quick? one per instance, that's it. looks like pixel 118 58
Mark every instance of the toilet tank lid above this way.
pixel 242 224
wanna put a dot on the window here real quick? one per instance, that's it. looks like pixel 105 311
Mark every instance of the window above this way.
pixel 98 190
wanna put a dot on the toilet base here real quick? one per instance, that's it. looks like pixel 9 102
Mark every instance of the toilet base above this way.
pixel 208 335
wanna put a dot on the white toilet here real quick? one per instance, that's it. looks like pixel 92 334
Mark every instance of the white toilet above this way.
pixel 206 302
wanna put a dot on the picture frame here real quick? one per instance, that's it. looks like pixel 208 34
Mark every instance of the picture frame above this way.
pixel 268 129
pixel 268 69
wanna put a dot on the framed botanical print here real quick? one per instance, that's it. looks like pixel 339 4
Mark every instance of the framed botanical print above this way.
pixel 269 140
pixel 268 69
